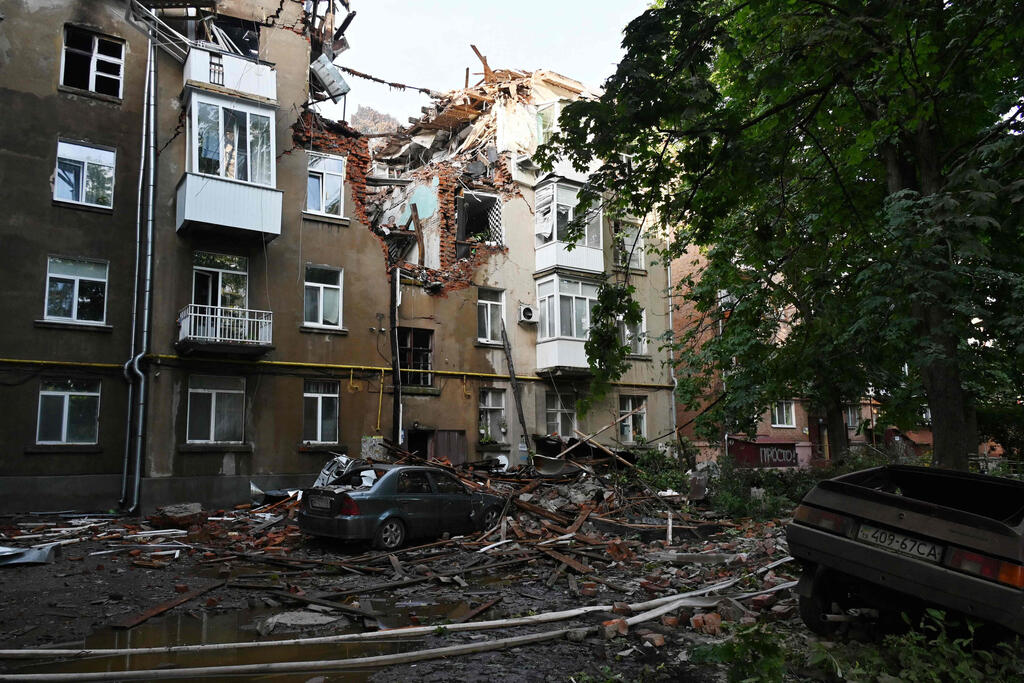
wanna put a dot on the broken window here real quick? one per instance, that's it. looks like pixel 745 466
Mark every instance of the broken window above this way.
pixel 479 220
pixel 216 409
pixel 561 414
pixel 324 188
pixel 320 411
pixel 69 412
pixel 232 140
pixel 76 291
pixel 92 62
pixel 547 121
pixel 783 414
pixel 490 307
pixel 85 174
pixel 635 426
pixel 415 356
pixel 492 415
pixel 629 245
pixel 556 216
pixel 322 300
pixel 635 336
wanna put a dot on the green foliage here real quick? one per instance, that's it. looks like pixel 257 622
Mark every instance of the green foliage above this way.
pixel 935 652
pixel 782 489
pixel 1004 424
pixel 605 348
pixel 753 653
pixel 847 177
pixel 661 470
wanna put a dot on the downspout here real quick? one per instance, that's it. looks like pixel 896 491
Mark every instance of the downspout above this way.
pixel 671 363
pixel 128 375
pixel 148 287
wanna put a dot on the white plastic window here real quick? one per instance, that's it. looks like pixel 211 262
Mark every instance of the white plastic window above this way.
pixel 325 185
pixel 216 409
pixel 233 140
pixel 320 411
pixel 783 414
pixel 76 291
pixel 322 300
pixel 84 175
pixel 92 62
pixel 490 310
pixel 69 412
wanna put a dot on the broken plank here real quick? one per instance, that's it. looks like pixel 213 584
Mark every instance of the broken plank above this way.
pixel 565 559
pixel 477 611
pixel 135 620
pixel 541 512
pixel 340 606
pixel 584 513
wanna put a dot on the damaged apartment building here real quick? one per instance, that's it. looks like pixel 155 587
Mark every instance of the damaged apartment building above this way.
pixel 490 285
pixel 199 267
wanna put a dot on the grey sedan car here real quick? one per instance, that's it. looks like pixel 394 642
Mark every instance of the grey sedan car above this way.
pixel 402 502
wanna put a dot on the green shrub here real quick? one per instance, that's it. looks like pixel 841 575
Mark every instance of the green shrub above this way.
pixel 754 653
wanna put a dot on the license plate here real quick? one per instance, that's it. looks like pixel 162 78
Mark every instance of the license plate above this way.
pixel 320 502
pixel 905 545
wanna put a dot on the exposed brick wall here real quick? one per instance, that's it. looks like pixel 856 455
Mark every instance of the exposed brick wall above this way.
pixel 312 131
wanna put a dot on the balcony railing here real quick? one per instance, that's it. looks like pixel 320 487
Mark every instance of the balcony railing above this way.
pixel 219 325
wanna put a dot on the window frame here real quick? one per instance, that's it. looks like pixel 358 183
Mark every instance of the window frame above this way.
pixel 628 427
pixel 627 236
pixel 323 186
pixel 494 336
pixel 487 410
pixel 546 215
pixel 77 279
pixel 94 56
pixel 422 379
pixel 83 164
pixel 852 416
pixel 791 410
pixel 213 408
pixel 562 409
pixel 626 337
pixel 65 410
pixel 320 287
pixel 319 396
pixel 550 308
pixel 249 110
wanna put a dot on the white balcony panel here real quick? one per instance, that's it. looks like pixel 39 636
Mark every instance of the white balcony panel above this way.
pixel 564 353
pixel 240 75
pixel 556 254
pixel 220 325
pixel 233 204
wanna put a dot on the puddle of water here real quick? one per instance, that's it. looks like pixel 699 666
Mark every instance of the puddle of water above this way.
pixel 200 627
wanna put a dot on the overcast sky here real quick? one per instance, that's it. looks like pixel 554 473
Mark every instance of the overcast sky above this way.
pixel 426 44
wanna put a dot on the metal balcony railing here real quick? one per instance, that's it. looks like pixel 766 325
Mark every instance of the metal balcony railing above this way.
pixel 220 325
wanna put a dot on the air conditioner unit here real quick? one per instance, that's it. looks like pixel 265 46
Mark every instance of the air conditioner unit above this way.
pixel 527 314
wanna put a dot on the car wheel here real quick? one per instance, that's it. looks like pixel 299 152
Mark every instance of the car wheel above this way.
pixel 491 516
pixel 390 535
pixel 815 607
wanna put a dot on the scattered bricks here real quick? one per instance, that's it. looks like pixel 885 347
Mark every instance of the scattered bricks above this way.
pixel 135 552
pixel 588 592
pixel 655 639
pixel 748 621
pixel 181 516
pixel 621 608
pixel 697 622
pixel 764 601
pixel 781 611
pixel 712 623
pixel 615 627
pixel 212 602
pixel 180 588
pixel 669 621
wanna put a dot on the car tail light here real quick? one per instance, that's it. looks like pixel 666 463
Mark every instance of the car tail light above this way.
pixel 829 521
pixel 347 505
pixel 991 568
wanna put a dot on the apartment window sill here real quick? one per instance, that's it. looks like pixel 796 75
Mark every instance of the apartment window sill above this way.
pixel 216 447
pixel 63 449
pixel 494 447
pixel 480 343
pixel 313 329
pixel 417 391
pixel 646 357
pixel 317 448
pixel 632 271
pixel 774 426
pixel 71 325
pixel 109 210
pixel 67 89
pixel 326 218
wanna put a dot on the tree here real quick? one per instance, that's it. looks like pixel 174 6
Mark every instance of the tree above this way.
pixel 850 171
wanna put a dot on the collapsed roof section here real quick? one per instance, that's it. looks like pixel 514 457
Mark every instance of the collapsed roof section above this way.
pixel 442 182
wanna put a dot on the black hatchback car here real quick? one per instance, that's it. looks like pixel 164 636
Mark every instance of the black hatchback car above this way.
pixel 402 502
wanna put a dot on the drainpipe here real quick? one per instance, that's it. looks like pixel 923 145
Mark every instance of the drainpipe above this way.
pixel 671 364
pixel 148 287
pixel 128 375
pixel 396 374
